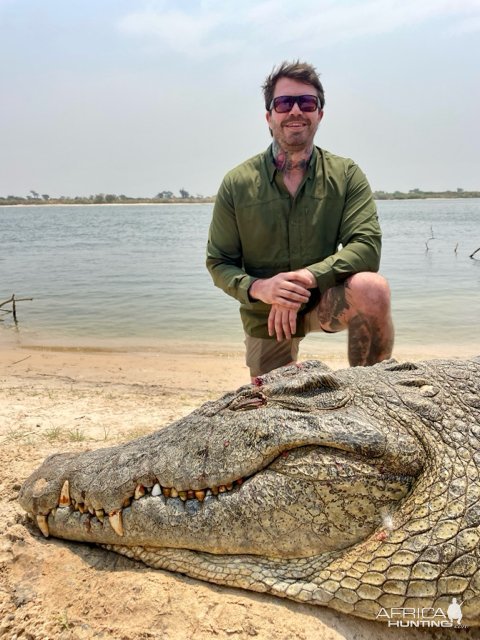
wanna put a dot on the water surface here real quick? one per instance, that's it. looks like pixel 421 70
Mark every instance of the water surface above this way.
pixel 134 276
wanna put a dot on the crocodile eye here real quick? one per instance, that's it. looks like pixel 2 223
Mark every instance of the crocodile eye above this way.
pixel 317 390
pixel 402 366
pixel 247 401
pixel 311 384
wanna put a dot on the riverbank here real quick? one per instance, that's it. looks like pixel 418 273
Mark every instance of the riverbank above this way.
pixel 71 399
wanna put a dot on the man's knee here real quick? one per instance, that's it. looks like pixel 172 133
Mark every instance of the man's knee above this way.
pixel 369 292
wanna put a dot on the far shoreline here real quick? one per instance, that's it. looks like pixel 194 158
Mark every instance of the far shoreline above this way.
pixel 113 200
pixel 106 204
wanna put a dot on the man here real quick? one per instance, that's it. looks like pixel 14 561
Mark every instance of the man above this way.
pixel 295 237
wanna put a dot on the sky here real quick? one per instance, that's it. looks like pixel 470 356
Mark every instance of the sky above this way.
pixel 136 97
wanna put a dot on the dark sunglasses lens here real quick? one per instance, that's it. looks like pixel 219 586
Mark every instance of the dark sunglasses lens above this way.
pixel 283 104
pixel 307 103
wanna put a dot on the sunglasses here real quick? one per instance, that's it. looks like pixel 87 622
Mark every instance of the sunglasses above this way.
pixel 284 104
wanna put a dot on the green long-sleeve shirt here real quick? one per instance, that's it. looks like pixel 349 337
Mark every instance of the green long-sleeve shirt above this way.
pixel 258 229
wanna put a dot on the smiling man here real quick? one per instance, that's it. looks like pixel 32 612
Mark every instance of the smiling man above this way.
pixel 295 237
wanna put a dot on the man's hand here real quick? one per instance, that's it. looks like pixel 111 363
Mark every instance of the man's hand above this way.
pixel 282 322
pixel 289 289
pixel 286 292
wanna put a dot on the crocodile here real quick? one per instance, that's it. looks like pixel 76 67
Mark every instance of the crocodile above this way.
pixel 356 489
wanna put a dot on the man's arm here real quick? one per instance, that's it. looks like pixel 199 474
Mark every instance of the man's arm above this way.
pixel 289 289
pixel 359 234
pixel 224 249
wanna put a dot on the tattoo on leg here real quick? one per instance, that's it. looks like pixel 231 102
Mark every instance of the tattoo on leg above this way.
pixel 359 341
pixel 333 308
pixel 368 343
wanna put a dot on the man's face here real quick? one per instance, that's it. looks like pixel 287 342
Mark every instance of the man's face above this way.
pixel 295 130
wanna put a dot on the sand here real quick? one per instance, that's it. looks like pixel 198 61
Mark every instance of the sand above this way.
pixel 70 400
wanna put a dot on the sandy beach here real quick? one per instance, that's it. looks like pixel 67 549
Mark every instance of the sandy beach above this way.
pixel 75 399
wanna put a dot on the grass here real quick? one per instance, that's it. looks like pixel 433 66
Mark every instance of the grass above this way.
pixel 14 435
pixel 75 435
pixel 58 434
pixel 63 621
pixel 54 434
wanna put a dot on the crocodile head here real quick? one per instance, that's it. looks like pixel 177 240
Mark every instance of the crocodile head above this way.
pixel 297 485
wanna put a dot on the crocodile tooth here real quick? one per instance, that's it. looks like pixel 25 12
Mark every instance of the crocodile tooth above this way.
pixel 239 481
pixel 190 494
pixel 64 500
pixel 214 491
pixel 54 511
pixel 229 486
pixel 43 525
pixel 157 490
pixel 91 511
pixel 200 495
pixel 115 519
pixel 100 513
pixel 174 493
pixel 126 502
pixel 167 492
pixel 222 488
pixel 81 507
pixel 139 491
pixel 182 495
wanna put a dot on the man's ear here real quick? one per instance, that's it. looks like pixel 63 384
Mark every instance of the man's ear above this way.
pixel 268 117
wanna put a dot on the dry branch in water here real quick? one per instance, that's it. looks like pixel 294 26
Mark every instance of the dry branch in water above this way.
pixel 432 237
pixel 13 301
pixel 472 254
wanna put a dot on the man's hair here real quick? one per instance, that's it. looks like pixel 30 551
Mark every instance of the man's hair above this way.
pixel 296 70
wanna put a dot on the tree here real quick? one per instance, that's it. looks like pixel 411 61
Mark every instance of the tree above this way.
pixel 184 193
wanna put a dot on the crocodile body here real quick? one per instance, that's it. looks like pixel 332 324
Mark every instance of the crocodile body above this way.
pixel 356 489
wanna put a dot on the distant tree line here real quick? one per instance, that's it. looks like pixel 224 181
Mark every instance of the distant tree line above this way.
pixel 33 197
pixel 414 194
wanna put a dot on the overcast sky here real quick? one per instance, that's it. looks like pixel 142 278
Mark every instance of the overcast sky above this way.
pixel 135 97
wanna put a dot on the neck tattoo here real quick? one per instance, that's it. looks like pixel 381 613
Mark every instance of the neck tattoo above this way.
pixel 286 163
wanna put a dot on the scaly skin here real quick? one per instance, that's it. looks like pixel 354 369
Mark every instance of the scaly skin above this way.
pixel 357 489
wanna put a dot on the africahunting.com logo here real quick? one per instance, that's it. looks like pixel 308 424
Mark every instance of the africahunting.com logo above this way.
pixel 423 617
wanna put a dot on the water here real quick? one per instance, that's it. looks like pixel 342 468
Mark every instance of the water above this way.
pixel 134 276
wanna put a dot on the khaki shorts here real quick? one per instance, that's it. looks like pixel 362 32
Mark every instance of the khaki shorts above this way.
pixel 265 354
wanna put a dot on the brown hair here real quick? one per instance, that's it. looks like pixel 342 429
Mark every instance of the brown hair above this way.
pixel 296 70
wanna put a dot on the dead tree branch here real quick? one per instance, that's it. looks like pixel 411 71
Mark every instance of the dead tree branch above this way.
pixel 432 237
pixel 13 301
